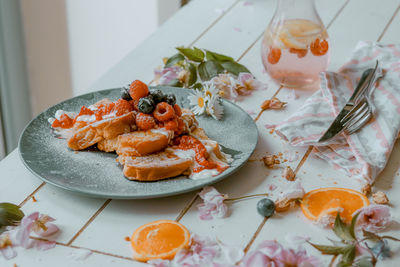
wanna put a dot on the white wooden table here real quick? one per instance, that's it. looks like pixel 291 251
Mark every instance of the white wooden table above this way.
pixel 232 27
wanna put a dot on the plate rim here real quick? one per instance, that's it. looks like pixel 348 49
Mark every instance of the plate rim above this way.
pixel 152 196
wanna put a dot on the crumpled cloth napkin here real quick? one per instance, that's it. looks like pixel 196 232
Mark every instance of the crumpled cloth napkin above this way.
pixel 364 154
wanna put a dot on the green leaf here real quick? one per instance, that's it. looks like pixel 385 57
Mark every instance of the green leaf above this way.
pixel 353 225
pixel 174 60
pixel 348 255
pixel 10 214
pixel 371 236
pixel 341 229
pixel 192 74
pixel 234 67
pixel 209 69
pixel 218 57
pixel 197 86
pixel 175 83
pixel 329 250
pixel 193 54
pixel 364 262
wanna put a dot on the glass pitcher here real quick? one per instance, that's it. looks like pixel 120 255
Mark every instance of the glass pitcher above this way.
pixel 295 47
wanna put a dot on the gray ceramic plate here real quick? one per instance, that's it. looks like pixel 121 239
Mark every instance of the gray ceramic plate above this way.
pixel 97 174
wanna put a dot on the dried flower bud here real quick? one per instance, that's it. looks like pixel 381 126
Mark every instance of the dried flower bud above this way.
pixel 273 103
pixel 380 198
pixel 284 204
pixel 289 174
pixel 366 189
pixel 270 160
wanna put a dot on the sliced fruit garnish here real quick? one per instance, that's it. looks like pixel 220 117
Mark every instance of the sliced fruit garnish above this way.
pixel 159 240
pixel 274 55
pixel 300 52
pixel 319 48
pixel 332 200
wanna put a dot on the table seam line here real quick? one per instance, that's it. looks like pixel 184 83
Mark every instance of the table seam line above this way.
pixel 23 202
pixel 91 219
pixel 388 23
pixel 79 247
pixel 214 23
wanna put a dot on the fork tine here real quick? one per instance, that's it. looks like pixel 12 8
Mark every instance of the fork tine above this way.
pixel 354 111
pixel 356 115
pixel 359 115
pixel 359 124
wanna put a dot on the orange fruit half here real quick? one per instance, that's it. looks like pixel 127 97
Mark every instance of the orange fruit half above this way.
pixel 331 200
pixel 159 240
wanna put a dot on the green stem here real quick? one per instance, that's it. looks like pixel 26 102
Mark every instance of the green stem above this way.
pixel 248 196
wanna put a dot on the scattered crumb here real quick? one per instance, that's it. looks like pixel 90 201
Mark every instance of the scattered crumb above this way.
pixel 366 189
pixel 271 131
pixel 273 103
pixel 272 187
pixel 34 199
pixel 284 205
pixel 319 175
pixel 15 265
pixel 127 238
pixel 334 182
pixel 380 198
pixel 288 174
pixel 76 152
pixel 271 160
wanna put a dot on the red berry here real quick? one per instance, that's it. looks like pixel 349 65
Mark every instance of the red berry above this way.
pixel 138 89
pixel 171 125
pixel 122 106
pixel 178 110
pixel 164 112
pixel 145 121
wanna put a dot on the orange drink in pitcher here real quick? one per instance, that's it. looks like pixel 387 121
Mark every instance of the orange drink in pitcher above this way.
pixel 295 47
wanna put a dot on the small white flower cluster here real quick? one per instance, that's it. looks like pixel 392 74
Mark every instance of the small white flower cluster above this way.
pixel 207 101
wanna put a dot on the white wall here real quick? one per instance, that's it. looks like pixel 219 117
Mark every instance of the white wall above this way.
pixel 71 43
pixel 102 32
pixel 47 52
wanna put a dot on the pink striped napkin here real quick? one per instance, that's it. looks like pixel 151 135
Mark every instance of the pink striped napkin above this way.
pixel 362 155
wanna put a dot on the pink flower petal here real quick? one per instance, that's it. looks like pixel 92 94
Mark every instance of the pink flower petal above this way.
pixel 51 229
pixel 232 254
pixel 237 29
pixel 374 218
pixel 294 190
pixel 213 206
pixel 8 253
pixel 297 239
pixel 159 263
pixel 257 259
pixel 44 245
pixel 248 3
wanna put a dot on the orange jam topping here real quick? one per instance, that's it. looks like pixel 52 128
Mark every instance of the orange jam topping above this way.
pixel 187 142
pixel 64 122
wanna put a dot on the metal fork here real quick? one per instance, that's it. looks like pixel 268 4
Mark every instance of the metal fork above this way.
pixel 363 111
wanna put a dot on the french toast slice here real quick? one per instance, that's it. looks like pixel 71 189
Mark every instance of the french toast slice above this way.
pixel 156 166
pixel 110 128
pixel 142 143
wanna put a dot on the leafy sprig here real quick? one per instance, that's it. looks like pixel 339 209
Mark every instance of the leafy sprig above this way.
pixel 202 65
pixel 346 248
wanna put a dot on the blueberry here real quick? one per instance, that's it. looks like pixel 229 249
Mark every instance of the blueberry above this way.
pixel 158 96
pixel 170 99
pixel 146 105
pixel 125 94
pixel 266 207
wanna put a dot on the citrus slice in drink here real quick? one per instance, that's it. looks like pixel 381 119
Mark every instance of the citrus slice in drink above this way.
pixel 330 201
pixel 319 47
pixel 159 240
